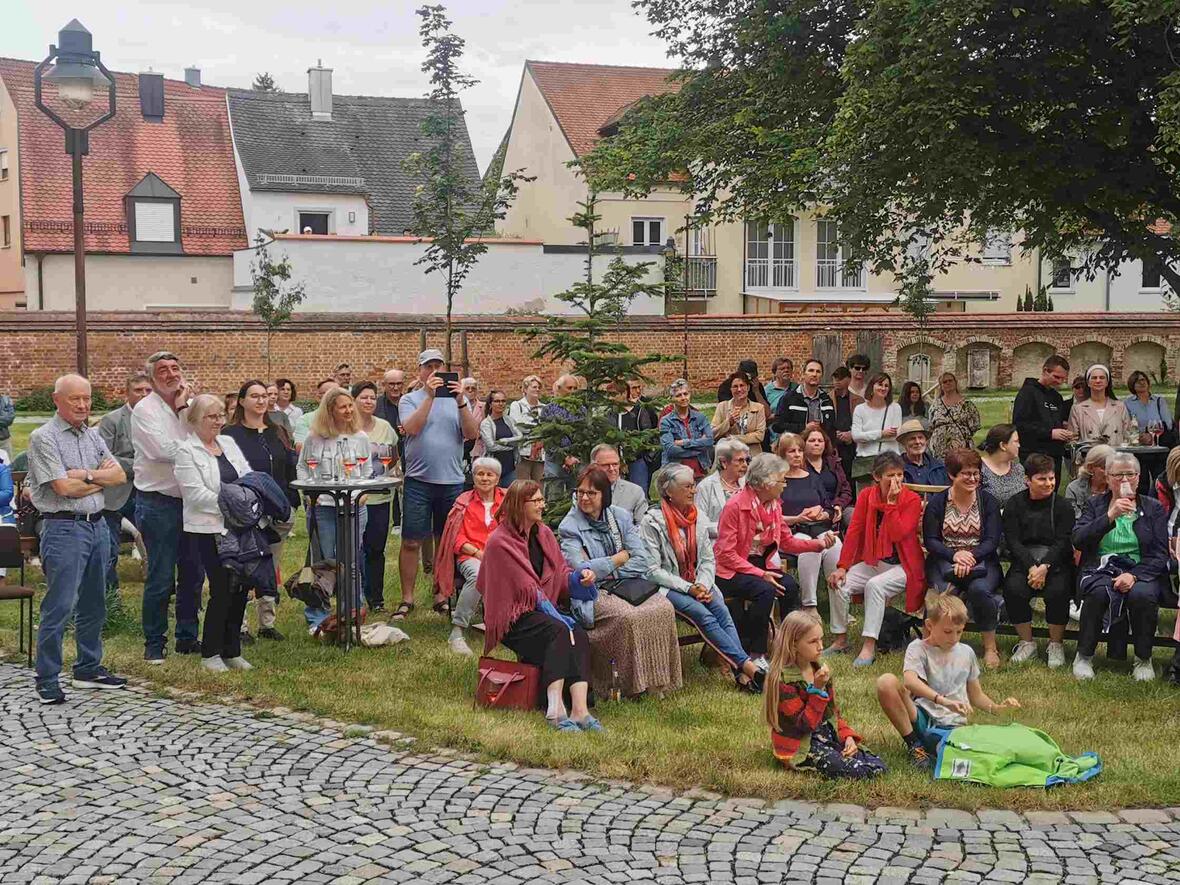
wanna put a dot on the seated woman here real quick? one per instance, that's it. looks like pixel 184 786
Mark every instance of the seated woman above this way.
pixel 525 579
pixel 961 531
pixel 681 556
pixel 1037 525
pixel 739 416
pixel 733 460
pixel 634 647
pixel 1091 479
pixel 821 459
pixel 750 537
pixel 810 513
pixel 1123 537
pixel 1002 474
pixel 204 460
pixel 881 557
pixel 1099 418
pixel 472 518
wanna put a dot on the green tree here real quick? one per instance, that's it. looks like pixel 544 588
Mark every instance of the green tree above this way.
pixel 579 345
pixel 1059 119
pixel 452 209
pixel 275 296
pixel 264 82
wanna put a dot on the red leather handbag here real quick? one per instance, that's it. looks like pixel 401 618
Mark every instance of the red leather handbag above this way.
pixel 508 685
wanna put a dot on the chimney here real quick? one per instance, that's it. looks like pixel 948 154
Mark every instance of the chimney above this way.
pixel 192 76
pixel 151 96
pixel 319 91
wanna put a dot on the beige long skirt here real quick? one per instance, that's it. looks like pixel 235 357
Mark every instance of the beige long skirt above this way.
pixel 642 642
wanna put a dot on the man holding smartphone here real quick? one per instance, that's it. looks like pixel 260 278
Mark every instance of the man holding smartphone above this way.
pixel 436 421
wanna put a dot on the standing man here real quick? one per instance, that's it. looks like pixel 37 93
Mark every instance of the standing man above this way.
pixel 807 404
pixel 173 566
pixel 859 365
pixel 393 385
pixel 69 467
pixel 781 371
pixel 1039 413
pixel 7 416
pixel 636 414
pixel 559 468
pixel 343 375
pixel 623 493
pixel 844 401
pixel 119 501
pixel 435 427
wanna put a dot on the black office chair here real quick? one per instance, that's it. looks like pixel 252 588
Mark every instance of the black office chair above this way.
pixel 12 556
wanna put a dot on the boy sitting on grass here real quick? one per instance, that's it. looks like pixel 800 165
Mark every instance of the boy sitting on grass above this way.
pixel 940 682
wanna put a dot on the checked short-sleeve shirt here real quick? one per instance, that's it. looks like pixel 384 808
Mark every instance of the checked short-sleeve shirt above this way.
pixel 56 447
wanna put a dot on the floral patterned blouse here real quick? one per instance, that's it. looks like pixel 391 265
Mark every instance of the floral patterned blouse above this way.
pixel 952 427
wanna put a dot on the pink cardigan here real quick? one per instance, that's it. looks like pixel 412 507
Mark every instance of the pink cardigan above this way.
pixel 735 534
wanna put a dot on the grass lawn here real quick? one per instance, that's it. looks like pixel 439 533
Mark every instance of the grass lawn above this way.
pixel 705 735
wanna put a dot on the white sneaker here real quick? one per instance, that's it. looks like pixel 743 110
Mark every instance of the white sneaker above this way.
pixel 214 664
pixel 761 663
pixel 1024 651
pixel 1144 671
pixel 1056 655
pixel 1082 668
pixel 1075 612
pixel 459 646
pixel 238 663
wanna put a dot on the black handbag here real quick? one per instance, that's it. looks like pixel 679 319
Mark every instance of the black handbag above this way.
pixel 636 591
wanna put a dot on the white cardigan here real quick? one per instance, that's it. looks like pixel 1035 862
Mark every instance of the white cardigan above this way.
pixel 867 424
pixel 200 482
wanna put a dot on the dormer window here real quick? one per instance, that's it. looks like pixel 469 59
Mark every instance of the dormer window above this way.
pixel 153 217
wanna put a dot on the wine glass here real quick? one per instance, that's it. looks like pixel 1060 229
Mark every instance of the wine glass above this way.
pixel 362 458
pixel 313 459
pixel 1155 428
pixel 385 456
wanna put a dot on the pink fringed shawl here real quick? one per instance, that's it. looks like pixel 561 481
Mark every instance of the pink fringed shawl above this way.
pixel 508 583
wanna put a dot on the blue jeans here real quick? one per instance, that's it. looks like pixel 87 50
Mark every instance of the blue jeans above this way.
pixel 114 520
pixel 982 593
pixel 712 618
pixel 640 474
pixel 325 522
pixel 74 556
pixel 173 566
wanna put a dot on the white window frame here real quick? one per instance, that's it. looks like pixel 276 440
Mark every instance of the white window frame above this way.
pixel 4 165
pixel 778 268
pixel 1143 287
pixel 648 221
pixel 316 210
pixel 823 262
pixel 997 248
pixel 157 207
pixel 5 231
pixel 1055 269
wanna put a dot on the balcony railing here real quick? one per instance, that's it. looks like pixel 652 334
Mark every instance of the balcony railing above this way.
pixel 770 273
pixel 701 276
pixel 831 273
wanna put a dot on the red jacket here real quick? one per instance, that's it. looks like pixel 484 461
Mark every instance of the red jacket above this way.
pixel 447 549
pixel 800 713
pixel 735 534
pixel 900 527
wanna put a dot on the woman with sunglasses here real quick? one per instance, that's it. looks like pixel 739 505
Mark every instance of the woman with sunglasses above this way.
pixel 500 435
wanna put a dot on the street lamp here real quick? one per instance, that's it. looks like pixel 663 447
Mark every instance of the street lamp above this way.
pixel 77 71
pixel 669 252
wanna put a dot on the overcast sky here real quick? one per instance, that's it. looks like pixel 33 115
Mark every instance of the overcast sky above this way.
pixel 372 46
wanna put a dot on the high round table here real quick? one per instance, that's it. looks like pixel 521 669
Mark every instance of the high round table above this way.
pixel 346 493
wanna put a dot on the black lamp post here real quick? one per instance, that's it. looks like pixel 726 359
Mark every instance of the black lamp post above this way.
pixel 669 252
pixel 75 68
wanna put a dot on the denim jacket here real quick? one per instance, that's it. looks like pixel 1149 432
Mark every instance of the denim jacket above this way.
pixel 699 444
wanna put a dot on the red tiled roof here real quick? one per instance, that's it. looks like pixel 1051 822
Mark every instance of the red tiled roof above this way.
pixel 584 98
pixel 190 149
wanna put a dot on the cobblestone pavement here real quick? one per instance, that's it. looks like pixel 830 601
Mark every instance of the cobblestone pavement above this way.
pixel 129 787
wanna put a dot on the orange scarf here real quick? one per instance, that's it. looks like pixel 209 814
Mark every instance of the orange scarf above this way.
pixel 686 557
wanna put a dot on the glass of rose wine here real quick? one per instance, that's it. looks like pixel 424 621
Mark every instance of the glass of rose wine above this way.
pixel 362 458
pixel 313 460
pixel 385 456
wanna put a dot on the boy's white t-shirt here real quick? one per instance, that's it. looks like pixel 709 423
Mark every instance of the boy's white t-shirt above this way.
pixel 947 672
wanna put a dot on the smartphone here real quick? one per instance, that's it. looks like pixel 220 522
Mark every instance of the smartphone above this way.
pixel 447 378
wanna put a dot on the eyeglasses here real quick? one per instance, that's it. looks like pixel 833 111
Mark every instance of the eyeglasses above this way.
pixel 162 355
pixel 740 459
pixel 587 493
pixel 859 368
pixel 969 474
pixel 499 401
pixel 535 501
pixel 1110 475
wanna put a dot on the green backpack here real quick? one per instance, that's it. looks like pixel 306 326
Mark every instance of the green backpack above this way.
pixel 1010 756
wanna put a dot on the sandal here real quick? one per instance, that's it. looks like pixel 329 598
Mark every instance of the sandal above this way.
pixel 440 607
pixel 590 724
pixel 565 724
pixel 399 613
pixel 865 662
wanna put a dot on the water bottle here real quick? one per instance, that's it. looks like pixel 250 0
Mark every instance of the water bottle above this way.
pixel 615 693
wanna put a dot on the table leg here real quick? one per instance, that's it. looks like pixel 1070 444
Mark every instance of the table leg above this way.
pixel 346 560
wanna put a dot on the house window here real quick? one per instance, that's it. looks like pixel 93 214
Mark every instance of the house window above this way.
pixel 997 247
pixel 3 165
pixel 314 223
pixel 830 269
pixel 1151 275
pixel 153 217
pixel 770 255
pixel 1062 275
pixel 5 231
pixel 647 231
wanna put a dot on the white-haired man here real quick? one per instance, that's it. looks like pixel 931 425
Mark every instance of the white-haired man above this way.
pixel 69 468
pixel 623 493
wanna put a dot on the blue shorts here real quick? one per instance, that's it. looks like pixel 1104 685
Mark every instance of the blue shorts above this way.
pixel 929 732
pixel 425 507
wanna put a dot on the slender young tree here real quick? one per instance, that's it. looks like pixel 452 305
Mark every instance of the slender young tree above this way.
pixel 452 209
pixel 264 82
pixel 275 296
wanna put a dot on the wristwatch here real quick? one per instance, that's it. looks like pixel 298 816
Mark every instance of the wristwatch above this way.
pixel 89 477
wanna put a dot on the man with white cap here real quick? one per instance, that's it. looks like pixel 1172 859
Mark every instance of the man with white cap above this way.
pixel 921 467
pixel 436 426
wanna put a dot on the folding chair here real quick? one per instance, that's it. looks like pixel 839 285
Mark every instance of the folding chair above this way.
pixel 12 556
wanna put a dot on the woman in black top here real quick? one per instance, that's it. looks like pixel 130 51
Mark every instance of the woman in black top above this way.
pixel 269 449
pixel 1037 524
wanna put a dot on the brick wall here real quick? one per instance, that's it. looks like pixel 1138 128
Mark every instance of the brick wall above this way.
pixel 221 350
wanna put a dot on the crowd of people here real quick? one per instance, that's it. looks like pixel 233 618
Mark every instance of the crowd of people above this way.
pixel 734 525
